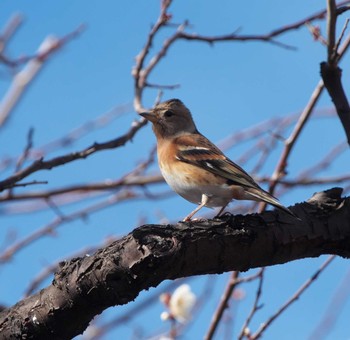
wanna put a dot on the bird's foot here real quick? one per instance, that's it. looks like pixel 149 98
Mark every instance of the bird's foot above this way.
pixel 225 214
pixel 197 219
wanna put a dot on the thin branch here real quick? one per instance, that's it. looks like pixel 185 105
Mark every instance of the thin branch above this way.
pixel 106 186
pixel 282 164
pixel 24 184
pixel 41 164
pixel 325 162
pixel 162 87
pixel 290 142
pixel 141 181
pixel 316 33
pixel 342 9
pixel 256 306
pixel 26 151
pixel 24 78
pixel 342 34
pixel 268 37
pixel 51 227
pixel 139 77
pixel 294 298
pixel 223 305
pixel 333 311
pixel 331 29
pixel 233 37
pixel 308 181
pixel 305 178
pixel 72 136
pixel 9 30
pixel 96 332
pixel 234 281
pixel 141 72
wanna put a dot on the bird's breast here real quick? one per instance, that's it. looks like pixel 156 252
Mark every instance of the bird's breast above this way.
pixel 191 183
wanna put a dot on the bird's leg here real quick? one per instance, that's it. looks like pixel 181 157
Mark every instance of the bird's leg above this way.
pixel 221 210
pixel 205 200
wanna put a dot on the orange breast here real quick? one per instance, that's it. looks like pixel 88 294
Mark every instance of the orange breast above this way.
pixel 187 173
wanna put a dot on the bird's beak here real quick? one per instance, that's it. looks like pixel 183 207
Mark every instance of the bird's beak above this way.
pixel 149 115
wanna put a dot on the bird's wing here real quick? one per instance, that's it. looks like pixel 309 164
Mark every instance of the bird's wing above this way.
pixel 197 150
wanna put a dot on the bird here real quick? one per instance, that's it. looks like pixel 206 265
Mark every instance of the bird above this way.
pixel 194 167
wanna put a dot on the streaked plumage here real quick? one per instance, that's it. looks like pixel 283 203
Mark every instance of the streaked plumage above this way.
pixel 194 167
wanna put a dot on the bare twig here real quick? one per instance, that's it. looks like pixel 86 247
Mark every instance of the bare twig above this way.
pixel 9 30
pixel 222 305
pixel 256 306
pixel 24 184
pixel 308 181
pixel 342 34
pixel 90 187
pixel 132 178
pixel 97 331
pixel 280 169
pixel 316 33
pixel 331 29
pixel 51 227
pixel 40 164
pixel 342 9
pixel 268 37
pixel 85 190
pixel 294 298
pixel 72 136
pixel 137 72
pixel 162 87
pixel 289 143
pixel 26 151
pixel 23 78
pixel 325 162
pixel 333 311
pixel 141 72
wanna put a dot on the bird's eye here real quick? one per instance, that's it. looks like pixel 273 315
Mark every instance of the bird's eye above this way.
pixel 168 113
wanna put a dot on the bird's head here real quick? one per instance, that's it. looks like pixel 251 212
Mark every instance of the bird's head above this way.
pixel 170 118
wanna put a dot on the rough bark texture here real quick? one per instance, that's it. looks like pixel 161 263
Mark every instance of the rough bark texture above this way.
pixel 114 275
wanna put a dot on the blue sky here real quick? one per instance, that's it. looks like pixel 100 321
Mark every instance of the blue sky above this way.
pixel 229 87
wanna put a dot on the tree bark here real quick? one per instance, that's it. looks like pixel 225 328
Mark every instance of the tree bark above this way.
pixel 83 287
pixel 331 76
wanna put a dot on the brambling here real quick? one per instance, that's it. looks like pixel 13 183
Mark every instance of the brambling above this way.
pixel 194 167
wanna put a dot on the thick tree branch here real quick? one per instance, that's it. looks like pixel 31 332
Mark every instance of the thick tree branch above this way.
pixel 331 75
pixel 116 274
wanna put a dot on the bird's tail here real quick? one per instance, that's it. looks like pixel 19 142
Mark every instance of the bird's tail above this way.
pixel 262 195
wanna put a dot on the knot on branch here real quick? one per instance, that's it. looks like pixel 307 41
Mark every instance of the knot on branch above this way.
pixel 157 240
pixel 327 200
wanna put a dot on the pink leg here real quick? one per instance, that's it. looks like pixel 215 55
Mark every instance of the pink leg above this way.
pixel 205 200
